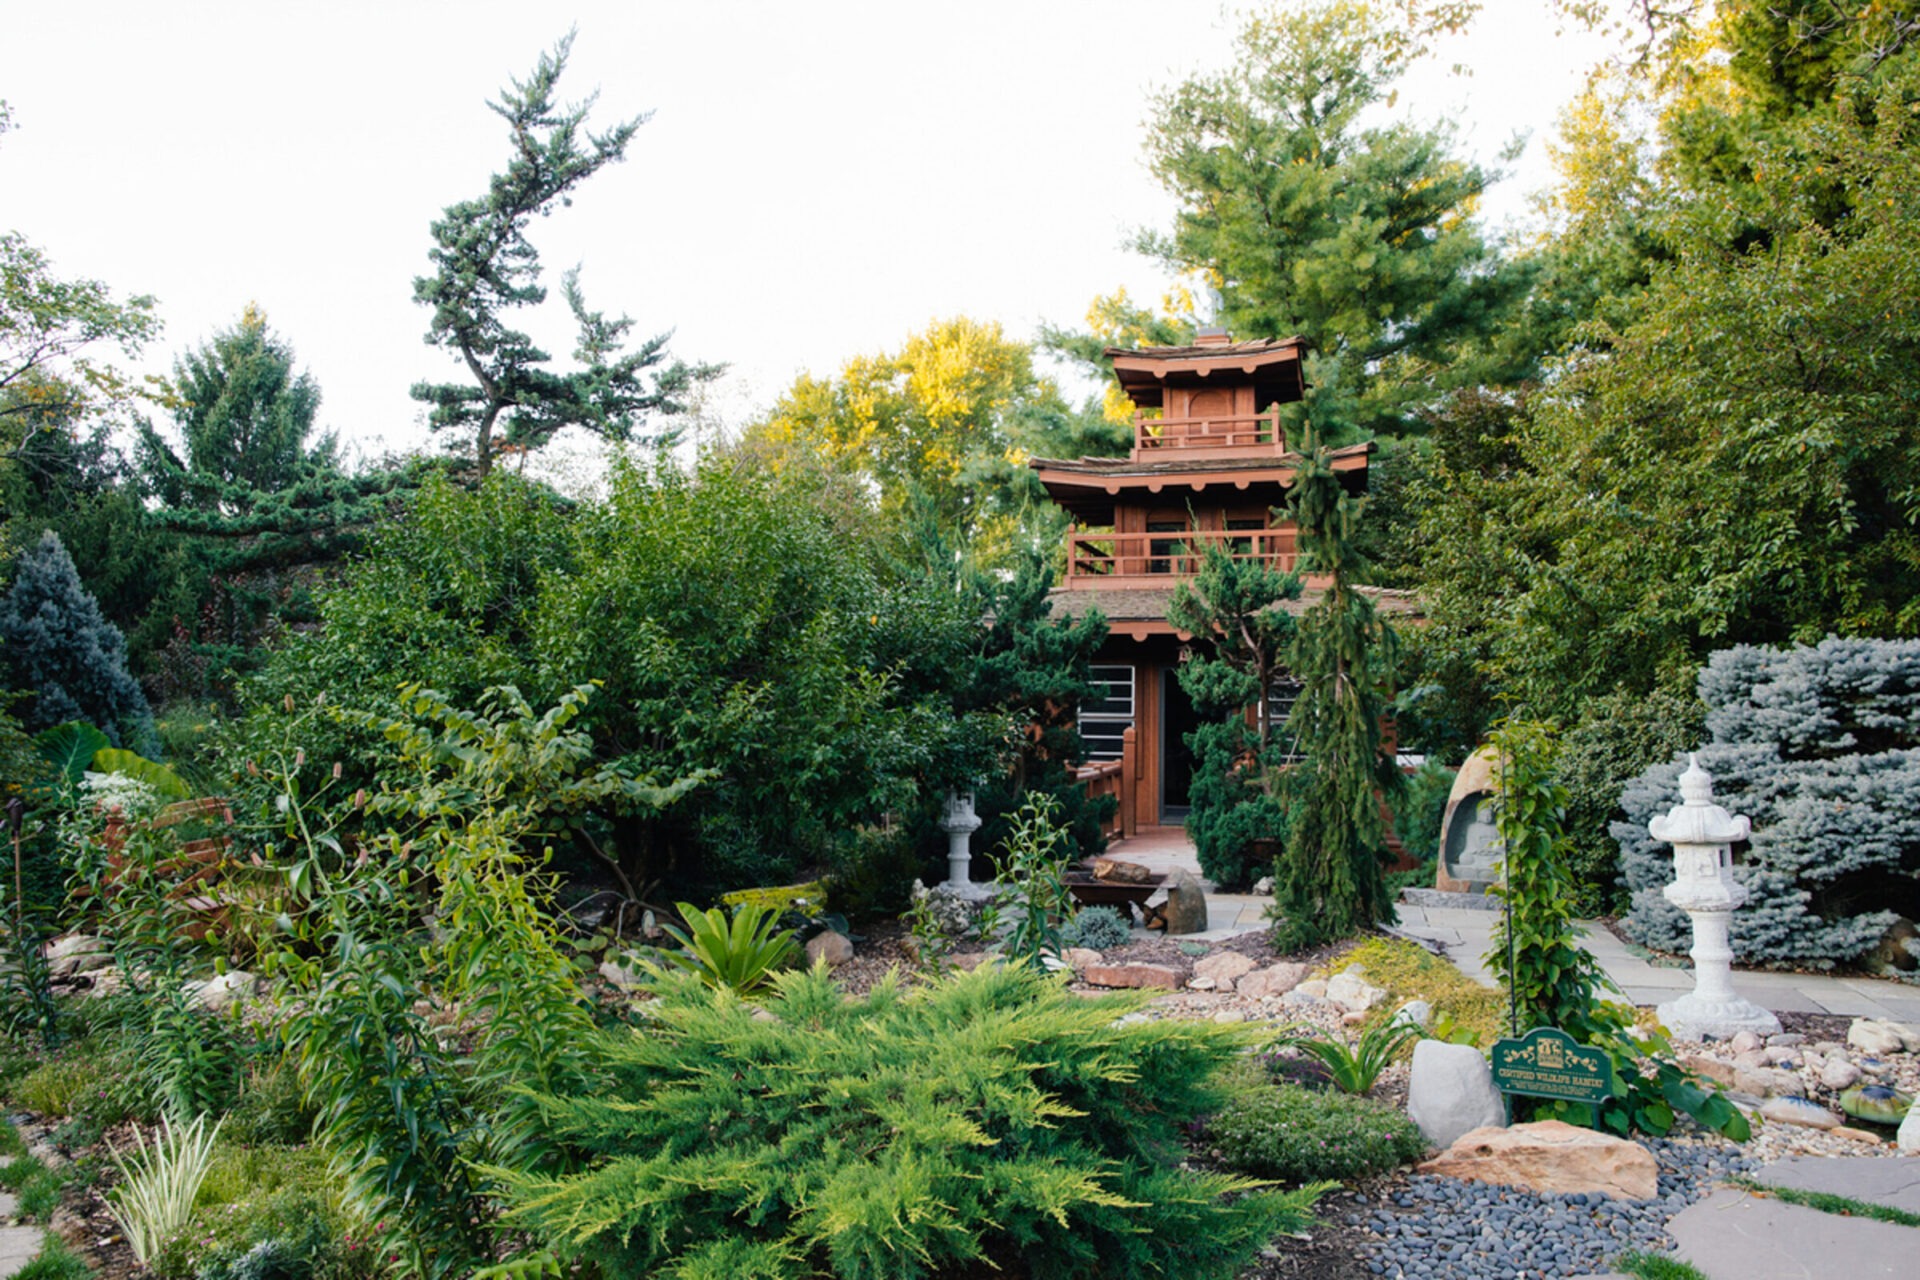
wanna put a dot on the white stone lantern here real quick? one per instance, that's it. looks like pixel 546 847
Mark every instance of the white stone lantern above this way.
pixel 1702 836
pixel 960 822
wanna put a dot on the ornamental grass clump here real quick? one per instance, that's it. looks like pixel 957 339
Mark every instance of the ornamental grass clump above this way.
pixel 988 1119
pixel 155 1199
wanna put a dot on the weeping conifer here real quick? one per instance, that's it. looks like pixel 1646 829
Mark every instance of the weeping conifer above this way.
pixel 1329 882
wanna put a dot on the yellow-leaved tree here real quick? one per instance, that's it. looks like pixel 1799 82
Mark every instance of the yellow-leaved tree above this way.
pixel 941 430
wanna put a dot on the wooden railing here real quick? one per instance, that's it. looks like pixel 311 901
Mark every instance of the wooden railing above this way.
pixel 1141 558
pixel 1116 778
pixel 1228 435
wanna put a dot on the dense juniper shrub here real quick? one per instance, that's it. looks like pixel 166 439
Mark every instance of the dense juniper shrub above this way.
pixel 990 1118
pixel 1295 1134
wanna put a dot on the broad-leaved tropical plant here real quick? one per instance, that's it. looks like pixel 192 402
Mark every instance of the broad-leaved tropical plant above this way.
pixel 1355 1069
pixel 741 955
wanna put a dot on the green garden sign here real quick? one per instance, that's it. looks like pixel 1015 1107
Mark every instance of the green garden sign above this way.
pixel 1546 1063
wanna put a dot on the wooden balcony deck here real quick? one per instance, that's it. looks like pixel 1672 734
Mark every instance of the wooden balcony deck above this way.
pixel 1155 559
pixel 1251 436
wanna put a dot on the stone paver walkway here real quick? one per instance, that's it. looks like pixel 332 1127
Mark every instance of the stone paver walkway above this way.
pixel 18 1247
pixel 1732 1235
pixel 1467 934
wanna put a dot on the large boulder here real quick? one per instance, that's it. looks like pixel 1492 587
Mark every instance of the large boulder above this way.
pixel 833 947
pixel 77 953
pixel 1876 1037
pixel 1223 968
pixel 1080 959
pixel 1451 1092
pixel 1274 980
pixel 1551 1156
pixel 1351 991
pixel 1186 904
pixel 1909 1135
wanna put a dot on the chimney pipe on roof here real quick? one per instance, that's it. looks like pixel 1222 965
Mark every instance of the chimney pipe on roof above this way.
pixel 1212 335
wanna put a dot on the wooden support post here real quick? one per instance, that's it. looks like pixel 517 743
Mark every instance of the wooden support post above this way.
pixel 1129 775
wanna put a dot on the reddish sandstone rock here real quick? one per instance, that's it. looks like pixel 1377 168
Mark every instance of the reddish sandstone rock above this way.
pixel 1551 1156
pixel 1131 975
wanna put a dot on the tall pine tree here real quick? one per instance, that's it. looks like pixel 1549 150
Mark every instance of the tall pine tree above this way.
pixel 485 269
pixel 1330 882
pixel 1306 217
pixel 246 422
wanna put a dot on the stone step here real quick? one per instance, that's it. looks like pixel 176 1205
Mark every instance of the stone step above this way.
pixel 1875 1179
pixel 1731 1235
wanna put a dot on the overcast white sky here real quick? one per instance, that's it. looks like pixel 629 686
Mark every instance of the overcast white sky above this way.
pixel 818 179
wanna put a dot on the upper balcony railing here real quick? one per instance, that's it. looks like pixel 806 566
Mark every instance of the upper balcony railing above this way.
pixel 1151 559
pixel 1226 436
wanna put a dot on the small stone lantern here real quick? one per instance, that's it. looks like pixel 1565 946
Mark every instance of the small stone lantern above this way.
pixel 1702 836
pixel 960 822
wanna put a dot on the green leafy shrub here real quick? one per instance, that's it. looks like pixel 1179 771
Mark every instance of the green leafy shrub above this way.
pixel 271 1110
pixel 268 1213
pixel 988 1118
pixel 1617 736
pixel 740 955
pixel 1098 928
pixel 1295 1134
pixel 1554 982
pixel 1419 809
pixel 410 1107
pixel 1239 815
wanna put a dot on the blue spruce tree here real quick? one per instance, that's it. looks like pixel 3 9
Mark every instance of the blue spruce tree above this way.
pixel 62 651
pixel 1820 747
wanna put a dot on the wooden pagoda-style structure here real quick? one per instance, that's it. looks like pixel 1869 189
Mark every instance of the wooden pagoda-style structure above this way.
pixel 1210 465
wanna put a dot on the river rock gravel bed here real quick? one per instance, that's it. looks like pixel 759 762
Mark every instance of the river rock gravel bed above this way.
pixel 1430 1226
